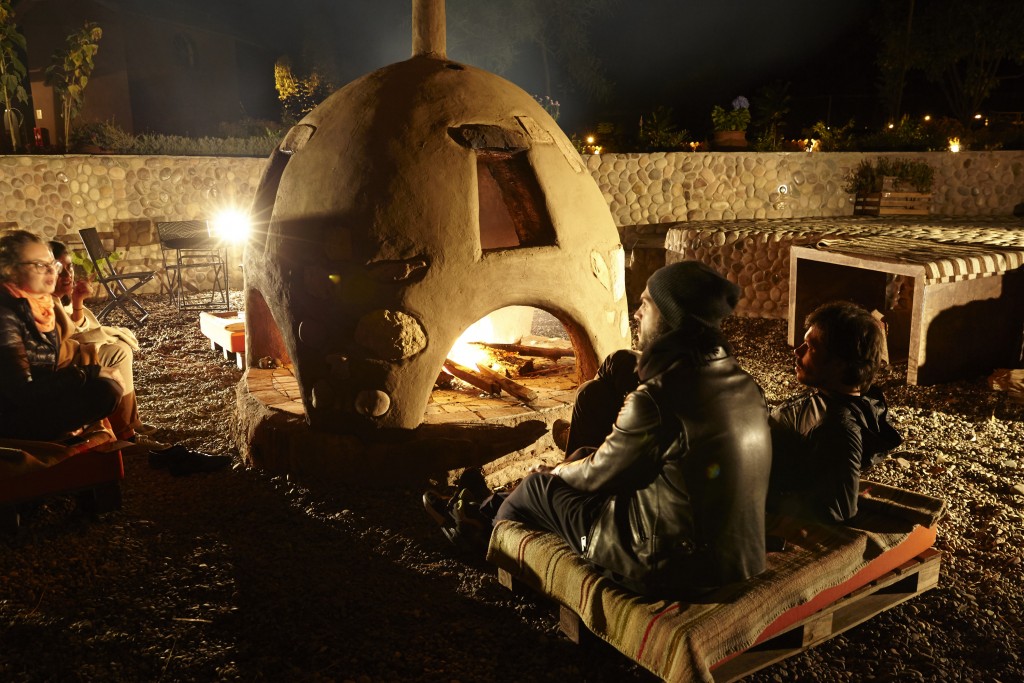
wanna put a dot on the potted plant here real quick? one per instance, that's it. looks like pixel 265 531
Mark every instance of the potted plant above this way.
pixel 890 186
pixel 731 125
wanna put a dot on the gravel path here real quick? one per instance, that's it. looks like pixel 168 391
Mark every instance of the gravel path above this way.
pixel 238 576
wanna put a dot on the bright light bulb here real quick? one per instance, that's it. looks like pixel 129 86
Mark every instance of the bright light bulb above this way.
pixel 231 225
pixel 590 139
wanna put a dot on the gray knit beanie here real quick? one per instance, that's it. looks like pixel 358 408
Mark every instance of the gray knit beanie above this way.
pixel 692 288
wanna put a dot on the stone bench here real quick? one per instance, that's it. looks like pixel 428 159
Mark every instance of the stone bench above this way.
pixel 952 310
pixel 755 254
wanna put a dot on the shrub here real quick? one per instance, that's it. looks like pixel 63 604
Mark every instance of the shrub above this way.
pixel 905 174
pixel 109 137
pixel 658 133
pixel 833 138
pixel 738 118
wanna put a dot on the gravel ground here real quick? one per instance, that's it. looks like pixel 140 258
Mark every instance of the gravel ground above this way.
pixel 241 576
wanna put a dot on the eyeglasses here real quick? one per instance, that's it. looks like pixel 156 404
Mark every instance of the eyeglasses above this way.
pixel 42 267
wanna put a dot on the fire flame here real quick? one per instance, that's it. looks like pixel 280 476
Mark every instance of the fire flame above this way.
pixel 466 353
pixel 504 326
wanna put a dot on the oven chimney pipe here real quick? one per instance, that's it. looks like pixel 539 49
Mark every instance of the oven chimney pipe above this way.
pixel 428 29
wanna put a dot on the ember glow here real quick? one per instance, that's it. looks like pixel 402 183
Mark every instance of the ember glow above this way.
pixel 504 326
pixel 465 352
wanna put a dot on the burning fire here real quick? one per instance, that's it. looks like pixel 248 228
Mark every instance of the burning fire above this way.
pixel 504 326
pixel 464 352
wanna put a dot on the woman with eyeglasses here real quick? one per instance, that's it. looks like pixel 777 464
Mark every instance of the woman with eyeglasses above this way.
pixel 38 399
pixel 113 346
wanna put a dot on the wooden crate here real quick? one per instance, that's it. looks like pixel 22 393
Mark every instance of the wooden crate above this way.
pixel 889 203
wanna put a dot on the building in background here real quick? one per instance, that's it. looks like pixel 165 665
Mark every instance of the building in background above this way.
pixel 163 66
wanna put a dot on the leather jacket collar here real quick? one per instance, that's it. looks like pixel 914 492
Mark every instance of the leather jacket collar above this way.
pixel 692 343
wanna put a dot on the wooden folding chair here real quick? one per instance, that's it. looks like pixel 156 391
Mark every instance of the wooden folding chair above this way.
pixel 117 285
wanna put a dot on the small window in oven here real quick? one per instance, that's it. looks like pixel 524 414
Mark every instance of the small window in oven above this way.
pixel 513 210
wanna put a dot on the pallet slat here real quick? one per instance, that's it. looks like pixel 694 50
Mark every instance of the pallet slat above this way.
pixel 892 203
pixel 899 585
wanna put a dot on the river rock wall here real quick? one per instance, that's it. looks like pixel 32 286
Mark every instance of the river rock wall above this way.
pixel 643 189
pixel 715 206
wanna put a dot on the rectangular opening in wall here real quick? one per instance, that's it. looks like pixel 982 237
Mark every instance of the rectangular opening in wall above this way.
pixel 513 212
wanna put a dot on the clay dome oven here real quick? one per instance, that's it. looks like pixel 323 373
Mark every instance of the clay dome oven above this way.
pixel 411 203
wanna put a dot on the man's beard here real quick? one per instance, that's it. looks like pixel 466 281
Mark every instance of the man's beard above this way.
pixel 644 341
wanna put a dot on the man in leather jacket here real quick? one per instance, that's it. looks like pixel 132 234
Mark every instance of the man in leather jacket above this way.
pixel 671 502
pixel 824 439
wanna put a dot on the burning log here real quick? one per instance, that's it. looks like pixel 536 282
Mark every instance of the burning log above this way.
pixel 514 388
pixel 524 350
pixel 471 377
pixel 547 370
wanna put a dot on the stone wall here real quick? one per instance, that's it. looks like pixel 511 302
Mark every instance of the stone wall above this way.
pixel 644 189
pixel 124 197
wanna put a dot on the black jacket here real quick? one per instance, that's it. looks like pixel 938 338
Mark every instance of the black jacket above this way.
pixel 687 467
pixel 822 444
pixel 28 359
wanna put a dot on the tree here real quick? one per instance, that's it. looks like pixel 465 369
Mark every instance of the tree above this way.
pixel 965 49
pixel 12 71
pixel 770 108
pixel 298 94
pixel 894 28
pixel 69 72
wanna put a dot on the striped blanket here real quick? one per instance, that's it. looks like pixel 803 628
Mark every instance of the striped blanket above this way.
pixel 680 641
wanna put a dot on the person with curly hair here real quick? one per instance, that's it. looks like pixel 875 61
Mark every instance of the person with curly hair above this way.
pixel 825 438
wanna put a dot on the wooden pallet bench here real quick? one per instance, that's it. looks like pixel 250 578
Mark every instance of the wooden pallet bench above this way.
pixel 829 579
pixel 891 203
pixel 906 581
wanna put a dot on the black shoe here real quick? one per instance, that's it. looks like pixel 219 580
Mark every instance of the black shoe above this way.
pixel 472 533
pixel 164 457
pixel 194 462
pixel 436 506
pixel 560 433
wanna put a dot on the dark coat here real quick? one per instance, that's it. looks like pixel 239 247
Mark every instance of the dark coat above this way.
pixel 28 360
pixel 686 467
pixel 822 444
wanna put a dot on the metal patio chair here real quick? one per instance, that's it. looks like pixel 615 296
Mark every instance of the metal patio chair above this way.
pixel 189 246
pixel 118 285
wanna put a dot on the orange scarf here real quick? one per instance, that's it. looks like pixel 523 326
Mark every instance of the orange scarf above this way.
pixel 41 305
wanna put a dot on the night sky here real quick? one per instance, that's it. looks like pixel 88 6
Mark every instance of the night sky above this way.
pixel 683 54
